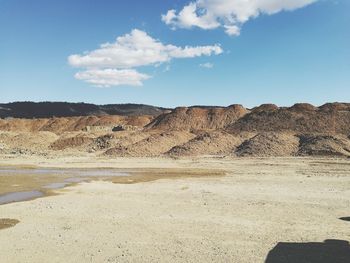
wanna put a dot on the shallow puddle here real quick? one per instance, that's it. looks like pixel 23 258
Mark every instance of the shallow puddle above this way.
pixel 55 186
pixel 21 184
pixel 19 196
pixel 66 182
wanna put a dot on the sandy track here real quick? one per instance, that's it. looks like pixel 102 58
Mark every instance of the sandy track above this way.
pixel 236 218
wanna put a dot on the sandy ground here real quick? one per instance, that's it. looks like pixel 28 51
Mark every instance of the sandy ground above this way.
pixel 239 217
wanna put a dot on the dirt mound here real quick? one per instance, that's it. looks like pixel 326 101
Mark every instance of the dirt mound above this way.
pixel 71 142
pixel 102 142
pixel 300 118
pixel 94 123
pixel 198 118
pixel 22 125
pixel 301 107
pixel 208 143
pixel 110 140
pixel 265 107
pixel 120 140
pixel 267 130
pixel 154 145
pixel 24 141
pixel 335 107
pixel 324 145
pixel 138 121
pixel 269 144
pixel 60 125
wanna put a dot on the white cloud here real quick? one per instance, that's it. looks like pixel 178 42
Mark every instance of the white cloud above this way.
pixel 128 52
pixel 188 17
pixel 112 77
pixel 229 14
pixel 169 16
pixel 232 30
pixel 207 65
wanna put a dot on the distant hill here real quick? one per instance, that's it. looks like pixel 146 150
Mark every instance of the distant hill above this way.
pixel 64 109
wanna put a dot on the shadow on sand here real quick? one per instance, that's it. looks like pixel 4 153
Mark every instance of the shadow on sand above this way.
pixel 330 251
pixel 347 218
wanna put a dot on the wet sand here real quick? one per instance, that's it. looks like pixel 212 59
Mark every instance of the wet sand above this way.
pixel 257 205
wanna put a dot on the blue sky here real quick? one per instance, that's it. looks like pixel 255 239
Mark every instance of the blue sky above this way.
pixel 280 57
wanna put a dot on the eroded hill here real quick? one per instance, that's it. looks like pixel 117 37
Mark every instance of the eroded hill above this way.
pixel 267 130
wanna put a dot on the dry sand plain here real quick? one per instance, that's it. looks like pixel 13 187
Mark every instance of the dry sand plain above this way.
pixel 237 217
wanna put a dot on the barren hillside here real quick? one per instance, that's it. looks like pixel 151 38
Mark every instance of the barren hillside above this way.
pixel 300 118
pixel 198 118
pixel 267 130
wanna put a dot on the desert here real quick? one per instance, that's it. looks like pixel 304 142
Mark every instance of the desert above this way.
pixel 184 131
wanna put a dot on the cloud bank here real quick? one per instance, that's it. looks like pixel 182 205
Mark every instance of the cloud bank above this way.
pixel 114 64
pixel 228 14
